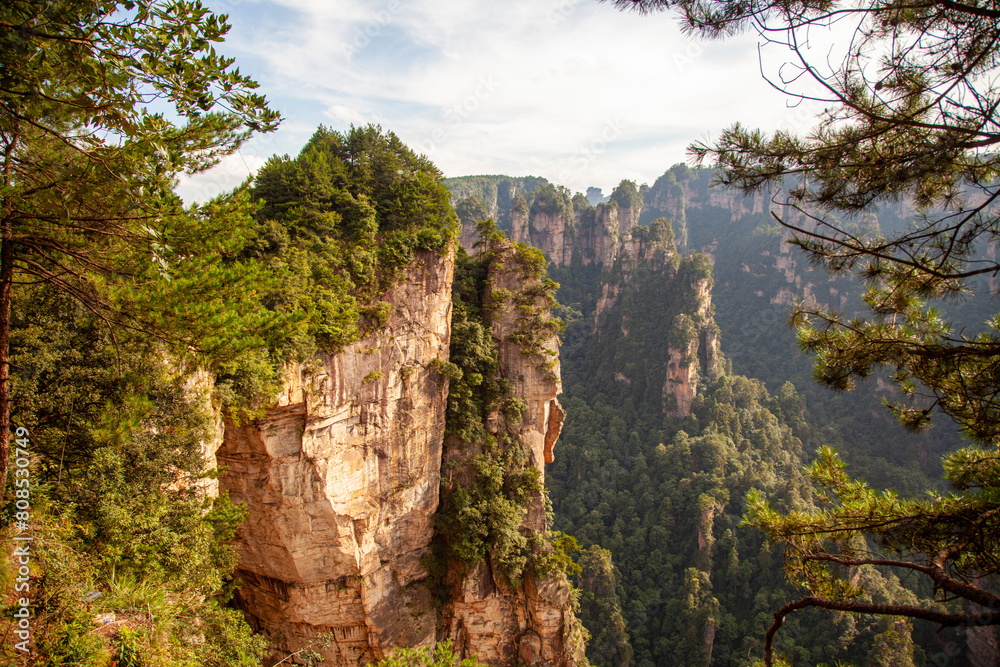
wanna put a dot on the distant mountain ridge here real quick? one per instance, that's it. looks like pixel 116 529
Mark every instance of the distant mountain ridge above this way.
pixel 757 277
pixel 671 293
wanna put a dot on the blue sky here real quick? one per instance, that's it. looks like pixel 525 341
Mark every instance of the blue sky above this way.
pixel 572 90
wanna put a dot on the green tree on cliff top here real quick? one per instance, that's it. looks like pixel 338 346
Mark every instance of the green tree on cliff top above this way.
pixel 909 114
pixel 102 103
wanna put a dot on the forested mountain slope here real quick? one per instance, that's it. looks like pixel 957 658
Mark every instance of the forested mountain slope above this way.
pixel 665 433
pixel 343 452
pixel 757 277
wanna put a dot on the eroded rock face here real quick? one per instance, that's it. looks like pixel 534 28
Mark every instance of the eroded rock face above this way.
pixel 671 199
pixel 595 235
pixel 700 356
pixel 546 231
pixel 341 481
pixel 534 377
pixel 532 623
pixel 609 236
pixel 681 384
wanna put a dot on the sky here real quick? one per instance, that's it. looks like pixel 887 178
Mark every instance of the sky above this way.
pixel 575 91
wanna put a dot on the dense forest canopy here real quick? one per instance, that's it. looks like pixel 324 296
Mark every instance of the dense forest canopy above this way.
pixel 130 325
pixel 116 300
pixel 910 116
pixel 88 168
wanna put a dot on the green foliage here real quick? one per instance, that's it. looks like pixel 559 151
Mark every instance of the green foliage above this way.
pixel 305 265
pixel 121 294
pixel 441 655
pixel 659 308
pixel 923 351
pixel 665 496
pixel 912 535
pixel 613 380
pixel 898 129
pixel 668 503
pixel 534 329
pixel 446 369
pixel 500 196
pixel 473 351
pixel 341 222
pixel 698 267
pixel 485 515
pixel 552 200
pixel 374 376
pixel 102 61
pixel 492 482
pixel 484 519
pixel 581 203
pixel 86 200
pixel 601 609
pixel 673 188
pixel 752 270
pixel 520 206
pixel 116 456
pixel 660 232
pixel 128 648
pixel 626 195
pixel 471 211
pixel 244 385
pixel 531 260
pixel 554 552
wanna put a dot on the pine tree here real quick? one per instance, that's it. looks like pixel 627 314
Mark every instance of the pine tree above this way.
pixel 909 117
pixel 86 201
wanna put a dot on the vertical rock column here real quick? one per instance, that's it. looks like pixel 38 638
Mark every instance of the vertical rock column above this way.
pixel 699 359
pixel 534 623
pixel 341 480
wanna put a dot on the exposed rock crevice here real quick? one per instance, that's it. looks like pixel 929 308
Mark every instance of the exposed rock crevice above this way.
pixel 341 480
pixel 531 623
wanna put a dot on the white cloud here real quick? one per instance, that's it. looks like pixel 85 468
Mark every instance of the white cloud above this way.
pixel 347 115
pixel 231 172
pixel 526 86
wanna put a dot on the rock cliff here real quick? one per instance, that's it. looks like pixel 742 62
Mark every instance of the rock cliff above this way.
pixel 508 608
pixel 600 235
pixel 341 480
pixel 609 237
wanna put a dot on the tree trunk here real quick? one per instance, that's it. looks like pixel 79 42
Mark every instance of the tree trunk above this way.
pixel 943 618
pixel 6 293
